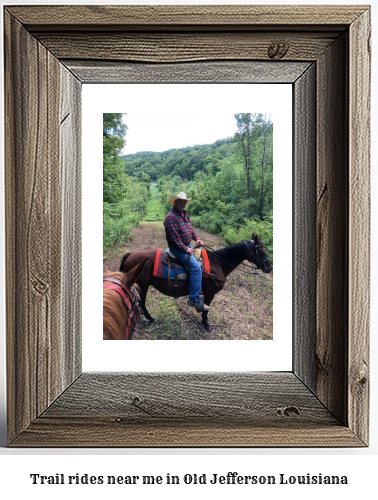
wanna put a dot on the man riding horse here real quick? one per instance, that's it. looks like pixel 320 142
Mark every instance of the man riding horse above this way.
pixel 220 263
pixel 179 233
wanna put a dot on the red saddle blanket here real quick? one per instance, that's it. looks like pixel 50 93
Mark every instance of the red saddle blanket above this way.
pixel 165 271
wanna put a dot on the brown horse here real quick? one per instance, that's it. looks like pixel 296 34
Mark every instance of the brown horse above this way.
pixel 222 263
pixel 120 306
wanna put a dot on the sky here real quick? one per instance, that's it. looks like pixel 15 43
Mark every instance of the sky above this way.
pixel 163 131
pixel 171 116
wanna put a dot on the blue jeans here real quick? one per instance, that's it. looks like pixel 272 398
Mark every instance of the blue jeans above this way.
pixel 195 273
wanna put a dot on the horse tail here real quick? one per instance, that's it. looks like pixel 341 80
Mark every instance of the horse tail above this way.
pixel 123 260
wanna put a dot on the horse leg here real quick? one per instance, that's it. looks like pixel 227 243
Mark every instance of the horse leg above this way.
pixel 205 323
pixel 142 303
pixel 207 300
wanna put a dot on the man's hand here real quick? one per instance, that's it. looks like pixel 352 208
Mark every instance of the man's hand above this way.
pixel 189 250
pixel 200 243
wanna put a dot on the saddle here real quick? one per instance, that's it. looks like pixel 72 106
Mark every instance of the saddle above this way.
pixel 170 260
pixel 166 266
pixel 175 269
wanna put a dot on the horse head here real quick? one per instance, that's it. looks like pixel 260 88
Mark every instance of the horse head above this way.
pixel 258 254
pixel 120 303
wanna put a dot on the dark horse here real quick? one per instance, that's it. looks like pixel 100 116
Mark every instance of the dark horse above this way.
pixel 222 263
pixel 120 306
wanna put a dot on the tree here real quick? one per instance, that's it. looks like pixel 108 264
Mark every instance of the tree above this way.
pixel 114 131
pixel 255 139
pixel 266 167
pixel 114 177
pixel 245 123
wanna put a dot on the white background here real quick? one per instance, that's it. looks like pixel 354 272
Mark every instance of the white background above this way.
pixel 359 464
pixel 242 355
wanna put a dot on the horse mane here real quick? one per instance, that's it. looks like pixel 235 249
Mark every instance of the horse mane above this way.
pixel 114 312
pixel 232 254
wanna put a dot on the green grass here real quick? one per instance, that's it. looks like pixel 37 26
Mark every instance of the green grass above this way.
pixel 168 320
pixel 155 209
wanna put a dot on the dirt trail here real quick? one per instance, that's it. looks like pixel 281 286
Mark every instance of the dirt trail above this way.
pixel 243 310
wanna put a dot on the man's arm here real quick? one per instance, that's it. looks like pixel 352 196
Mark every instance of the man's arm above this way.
pixel 195 237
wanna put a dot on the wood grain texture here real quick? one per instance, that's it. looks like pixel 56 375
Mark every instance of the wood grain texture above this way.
pixel 324 402
pixel 33 191
pixel 332 230
pixel 100 432
pixel 359 226
pixel 184 16
pixel 36 356
pixel 304 227
pixel 234 397
pixel 70 161
pixel 180 47
pixel 200 72
pixel 196 409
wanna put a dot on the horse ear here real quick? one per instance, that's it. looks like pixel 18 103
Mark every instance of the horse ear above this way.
pixel 253 236
pixel 134 273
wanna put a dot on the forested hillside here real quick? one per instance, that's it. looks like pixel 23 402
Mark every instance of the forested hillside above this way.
pixel 230 182
pixel 124 197
pixel 185 162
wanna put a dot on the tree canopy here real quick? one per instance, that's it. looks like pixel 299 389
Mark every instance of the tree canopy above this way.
pixel 230 181
pixel 124 198
pixel 114 178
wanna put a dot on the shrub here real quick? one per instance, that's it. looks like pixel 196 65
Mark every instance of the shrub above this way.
pixel 115 231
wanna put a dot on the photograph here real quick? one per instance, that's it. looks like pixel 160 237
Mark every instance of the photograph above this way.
pixel 188 218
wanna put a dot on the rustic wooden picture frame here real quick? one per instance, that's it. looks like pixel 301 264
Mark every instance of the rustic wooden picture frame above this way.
pixel 324 51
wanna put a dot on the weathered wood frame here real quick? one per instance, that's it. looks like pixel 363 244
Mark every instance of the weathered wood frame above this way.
pixel 49 52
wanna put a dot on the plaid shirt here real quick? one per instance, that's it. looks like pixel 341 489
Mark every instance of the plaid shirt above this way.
pixel 178 229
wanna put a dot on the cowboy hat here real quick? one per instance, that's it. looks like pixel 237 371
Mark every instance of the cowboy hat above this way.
pixel 180 196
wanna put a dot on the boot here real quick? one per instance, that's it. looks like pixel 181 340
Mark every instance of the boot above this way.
pixel 200 306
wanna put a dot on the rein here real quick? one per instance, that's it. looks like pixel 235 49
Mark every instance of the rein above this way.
pixel 129 298
pixel 212 251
